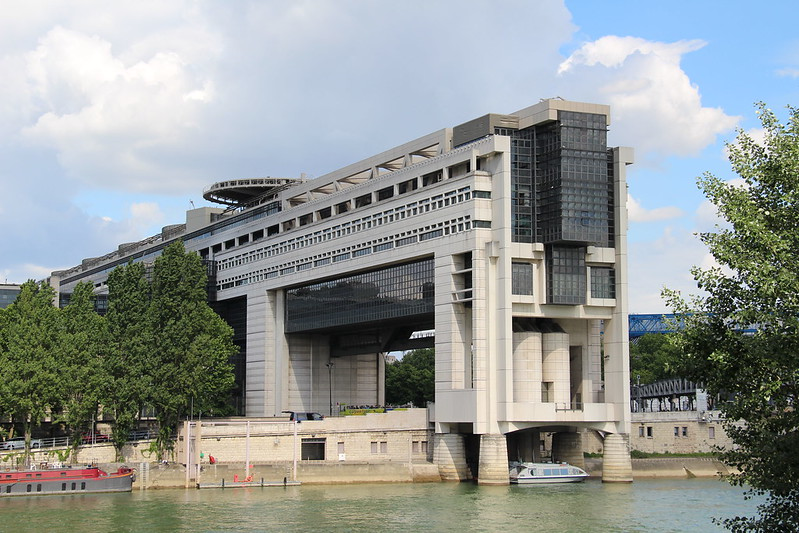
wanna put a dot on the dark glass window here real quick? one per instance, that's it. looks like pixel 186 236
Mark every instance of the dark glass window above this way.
pixel 566 275
pixel 313 449
pixel 603 282
pixel 522 278
pixel 394 292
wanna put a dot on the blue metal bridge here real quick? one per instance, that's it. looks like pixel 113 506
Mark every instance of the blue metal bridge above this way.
pixel 660 323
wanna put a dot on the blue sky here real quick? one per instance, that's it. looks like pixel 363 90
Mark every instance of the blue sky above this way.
pixel 114 116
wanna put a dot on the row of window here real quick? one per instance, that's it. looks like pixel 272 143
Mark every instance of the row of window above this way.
pixel 679 431
pixel 313 449
pixel 424 205
pixel 29 487
pixel 603 280
pixel 388 242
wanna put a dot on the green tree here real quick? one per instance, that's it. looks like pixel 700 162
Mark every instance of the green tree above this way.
pixel 128 376
pixel 80 351
pixel 653 358
pixel 412 379
pixel 30 377
pixel 756 285
pixel 190 362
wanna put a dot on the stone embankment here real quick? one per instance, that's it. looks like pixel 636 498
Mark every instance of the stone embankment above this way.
pixel 668 467
pixel 173 475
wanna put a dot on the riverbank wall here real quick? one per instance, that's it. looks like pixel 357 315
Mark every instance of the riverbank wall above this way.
pixel 173 475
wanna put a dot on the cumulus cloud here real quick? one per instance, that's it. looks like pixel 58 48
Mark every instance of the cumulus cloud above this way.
pixel 655 106
pixel 637 213
pixel 105 117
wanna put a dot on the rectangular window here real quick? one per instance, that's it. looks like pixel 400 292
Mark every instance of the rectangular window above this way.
pixel 383 447
pixel 340 447
pixel 641 431
pixel 649 432
pixel 522 278
pixel 676 431
pixel 684 431
pixel 312 449
pixel 431 234
pixel 603 282
pixel 374 446
pixel 711 432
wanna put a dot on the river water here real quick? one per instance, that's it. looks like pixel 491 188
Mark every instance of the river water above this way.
pixel 646 505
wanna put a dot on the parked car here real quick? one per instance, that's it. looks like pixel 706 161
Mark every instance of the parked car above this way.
pixel 88 438
pixel 300 416
pixel 18 443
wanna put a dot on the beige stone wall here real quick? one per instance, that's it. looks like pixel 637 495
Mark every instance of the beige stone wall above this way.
pixel 677 432
pixel 392 437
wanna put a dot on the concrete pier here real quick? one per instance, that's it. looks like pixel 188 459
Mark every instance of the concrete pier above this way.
pixel 493 465
pixel 616 463
pixel 449 453
pixel 568 448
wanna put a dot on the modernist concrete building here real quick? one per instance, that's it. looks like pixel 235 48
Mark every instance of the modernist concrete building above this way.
pixel 505 235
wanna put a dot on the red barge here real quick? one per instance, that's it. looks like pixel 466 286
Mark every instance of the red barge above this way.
pixel 39 482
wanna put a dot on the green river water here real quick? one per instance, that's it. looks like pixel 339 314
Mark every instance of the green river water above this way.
pixel 646 505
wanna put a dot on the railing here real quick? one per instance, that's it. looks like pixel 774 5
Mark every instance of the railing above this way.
pixel 568 406
pixel 65 442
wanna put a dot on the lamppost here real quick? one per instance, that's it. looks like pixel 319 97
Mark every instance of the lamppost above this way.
pixel 330 366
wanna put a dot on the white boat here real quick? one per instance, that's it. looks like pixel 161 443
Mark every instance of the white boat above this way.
pixel 536 473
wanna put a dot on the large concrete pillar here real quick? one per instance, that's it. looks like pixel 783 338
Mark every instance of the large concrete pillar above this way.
pixel 568 448
pixel 493 466
pixel 555 368
pixel 449 454
pixel 616 463
pixel 527 362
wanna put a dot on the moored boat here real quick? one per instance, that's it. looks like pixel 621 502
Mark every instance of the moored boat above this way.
pixel 537 473
pixel 63 480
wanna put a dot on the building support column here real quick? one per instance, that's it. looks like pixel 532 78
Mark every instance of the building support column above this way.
pixel 568 448
pixel 449 454
pixel 493 466
pixel 617 466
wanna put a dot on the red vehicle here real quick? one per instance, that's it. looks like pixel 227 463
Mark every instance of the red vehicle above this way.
pixel 89 438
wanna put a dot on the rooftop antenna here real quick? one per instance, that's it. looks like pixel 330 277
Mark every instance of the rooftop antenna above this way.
pixel 192 204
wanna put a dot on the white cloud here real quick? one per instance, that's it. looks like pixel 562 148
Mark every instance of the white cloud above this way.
pixel 789 72
pixel 663 262
pixel 108 119
pixel 637 213
pixel 655 106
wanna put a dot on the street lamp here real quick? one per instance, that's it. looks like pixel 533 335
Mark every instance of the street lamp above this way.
pixel 330 366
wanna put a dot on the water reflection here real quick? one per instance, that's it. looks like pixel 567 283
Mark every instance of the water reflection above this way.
pixel 647 505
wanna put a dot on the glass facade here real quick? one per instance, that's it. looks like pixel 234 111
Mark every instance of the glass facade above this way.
pixel 8 295
pixel 395 292
pixel 562 196
pixel 603 282
pixel 522 278
pixel 566 275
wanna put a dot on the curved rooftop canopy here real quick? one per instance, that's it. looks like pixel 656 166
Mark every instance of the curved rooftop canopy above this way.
pixel 244 191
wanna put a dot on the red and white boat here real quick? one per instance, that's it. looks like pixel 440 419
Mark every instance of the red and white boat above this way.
pixel 61 480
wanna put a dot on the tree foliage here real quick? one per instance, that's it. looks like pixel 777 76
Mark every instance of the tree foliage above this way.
pixel 190 362
pixel 756 284
pixel 159 346
pixel 128 380
pixel 653 358
pixel 80 360
pixel 412 379
pixel 30 378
